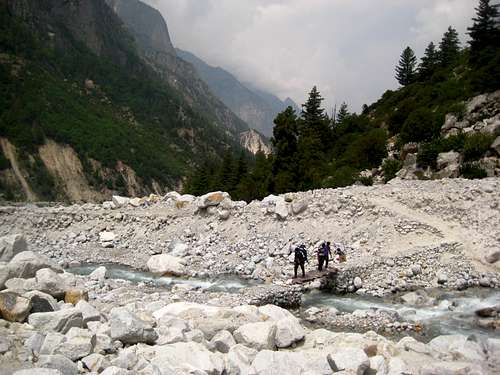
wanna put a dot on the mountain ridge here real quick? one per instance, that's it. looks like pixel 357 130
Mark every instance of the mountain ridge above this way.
pixel 256 107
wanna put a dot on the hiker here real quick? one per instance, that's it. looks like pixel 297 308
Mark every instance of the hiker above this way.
pixel 327 253
pixel 300 259
pixel 321 256
pixel 340 256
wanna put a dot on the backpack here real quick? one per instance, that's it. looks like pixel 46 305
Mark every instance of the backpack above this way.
pixel 301 253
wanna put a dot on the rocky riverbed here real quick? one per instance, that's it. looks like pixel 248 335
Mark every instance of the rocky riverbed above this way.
pixel 200 282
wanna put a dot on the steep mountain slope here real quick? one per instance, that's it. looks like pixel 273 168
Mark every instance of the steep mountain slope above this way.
pixel 81 103
pixel 257 108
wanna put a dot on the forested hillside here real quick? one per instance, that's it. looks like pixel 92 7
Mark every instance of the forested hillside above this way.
pixel 80 101
pixel 429 128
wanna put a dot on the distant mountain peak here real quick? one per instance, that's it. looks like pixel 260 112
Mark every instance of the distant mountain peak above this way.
pixel 258 108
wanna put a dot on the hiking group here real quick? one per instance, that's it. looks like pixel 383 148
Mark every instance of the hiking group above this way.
pixel 324 254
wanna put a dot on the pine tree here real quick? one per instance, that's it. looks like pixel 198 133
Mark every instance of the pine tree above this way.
pixel 484 32
pixel 312 110
pixel 429 62
pixel 405 71
pixel 449 48
pixel 343 112
pixel 285 151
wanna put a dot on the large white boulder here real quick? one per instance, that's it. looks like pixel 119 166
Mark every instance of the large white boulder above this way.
pixel 281 208
pixel 59 321
pixel 450 368
pixel 270 363
pixel 25 264
pixel 50 282
pixel 77 343
pixel 223 341
pixel 258 336
pixel 188 354
pixel 211 199
pixel 129 329
pixel 274 313
pixel 240 359
pixel 14 307
pixel 165 264
pixel 349 359
pixel 446 159
pixel 38 371
pixel 288 332
pixel 58 362
pixel 457 347
pixel 120 201
pixel 11 246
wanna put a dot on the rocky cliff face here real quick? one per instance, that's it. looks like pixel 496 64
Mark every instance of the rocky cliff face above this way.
pixel 254 142
pixel 256 107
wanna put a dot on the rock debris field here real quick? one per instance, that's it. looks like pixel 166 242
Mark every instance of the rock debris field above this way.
pixel 401 239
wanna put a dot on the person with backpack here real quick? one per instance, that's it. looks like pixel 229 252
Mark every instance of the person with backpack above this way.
pixel 327 253
pixel 321 256
pixel 300 258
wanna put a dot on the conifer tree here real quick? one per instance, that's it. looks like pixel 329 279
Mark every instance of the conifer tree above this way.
pixel 405 71
pixel 449 48
pixel 343 112
pixel 429 62
pixel 484 32
pixel 285 151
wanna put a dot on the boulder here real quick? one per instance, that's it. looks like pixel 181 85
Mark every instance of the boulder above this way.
pixel 165 264
pixel 442 277
pixel 99 274
pixel 41 302
pixel 358 283
pixel 299 206
pixel 446 159
pixel 349 359
pixel 269 362
pixel 74 296
pixel 38 371
pixel 14 307
pixel 50 282
pixel 223 341
pixel 457 347
pixel 450 368
pixel 240 359
pixel 107 239
pixel 58 321
pixel 95 362
pixel 58 362
pixel 493 256
pixel 188 354
pixel 89 312
pixel 51 342
pixel 129 329
pixel 25 264
pixel 258 336
pixel 281 208
pixel 120 201
pixel 288 332
pixel 4 275
pixel 274 313
pixel 77 343
pixel 136 202
pixel 211 199
pixel 113 370
pixel 178 249
pixel 224 214
pixel 11 246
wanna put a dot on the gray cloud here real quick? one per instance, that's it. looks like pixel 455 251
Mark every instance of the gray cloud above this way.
pixel 348 48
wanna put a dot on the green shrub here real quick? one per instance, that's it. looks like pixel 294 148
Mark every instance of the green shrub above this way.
pixel 476 146
pixel 366 180
pixel 472 171
pixel 427 155
pixel 390 167
pixel 422 125
pixel 343 176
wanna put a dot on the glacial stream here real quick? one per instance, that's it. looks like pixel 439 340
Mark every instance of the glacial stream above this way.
pixel 222 283
pixel 450 313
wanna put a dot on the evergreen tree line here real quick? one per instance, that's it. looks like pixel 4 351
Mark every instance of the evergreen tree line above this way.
pixel 482 56
pixel 312 150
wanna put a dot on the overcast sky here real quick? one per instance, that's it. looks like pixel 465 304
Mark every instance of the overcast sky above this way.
pixel 348 48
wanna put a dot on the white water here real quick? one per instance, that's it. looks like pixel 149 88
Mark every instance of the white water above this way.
pixel 452 312
pixel 224 283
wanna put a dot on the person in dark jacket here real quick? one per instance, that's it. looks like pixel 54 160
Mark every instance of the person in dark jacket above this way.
pixel 300 258
pixel 327 253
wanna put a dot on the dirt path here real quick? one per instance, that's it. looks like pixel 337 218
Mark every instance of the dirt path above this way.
pixel 451 231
